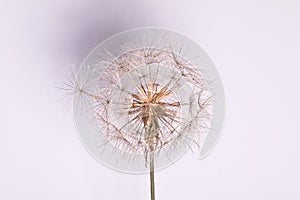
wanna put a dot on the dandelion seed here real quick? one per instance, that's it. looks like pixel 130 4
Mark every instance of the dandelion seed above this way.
pixel 140 103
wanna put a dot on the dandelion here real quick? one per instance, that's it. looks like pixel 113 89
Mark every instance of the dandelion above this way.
pixel 144 97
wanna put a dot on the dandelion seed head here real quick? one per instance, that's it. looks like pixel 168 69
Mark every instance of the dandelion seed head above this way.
pixel 145 95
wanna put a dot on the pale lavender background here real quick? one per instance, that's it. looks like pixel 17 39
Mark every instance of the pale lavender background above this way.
pixel 255 46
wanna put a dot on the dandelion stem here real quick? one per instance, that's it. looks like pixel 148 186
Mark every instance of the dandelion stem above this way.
pixel 152 176
pixel 150 129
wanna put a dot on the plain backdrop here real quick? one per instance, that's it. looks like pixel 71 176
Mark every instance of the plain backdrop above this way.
pixel 255 46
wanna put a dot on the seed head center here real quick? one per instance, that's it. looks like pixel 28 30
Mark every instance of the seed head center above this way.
pixel 147 103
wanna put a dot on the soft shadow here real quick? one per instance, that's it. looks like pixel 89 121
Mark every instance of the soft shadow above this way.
pixel 92 23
